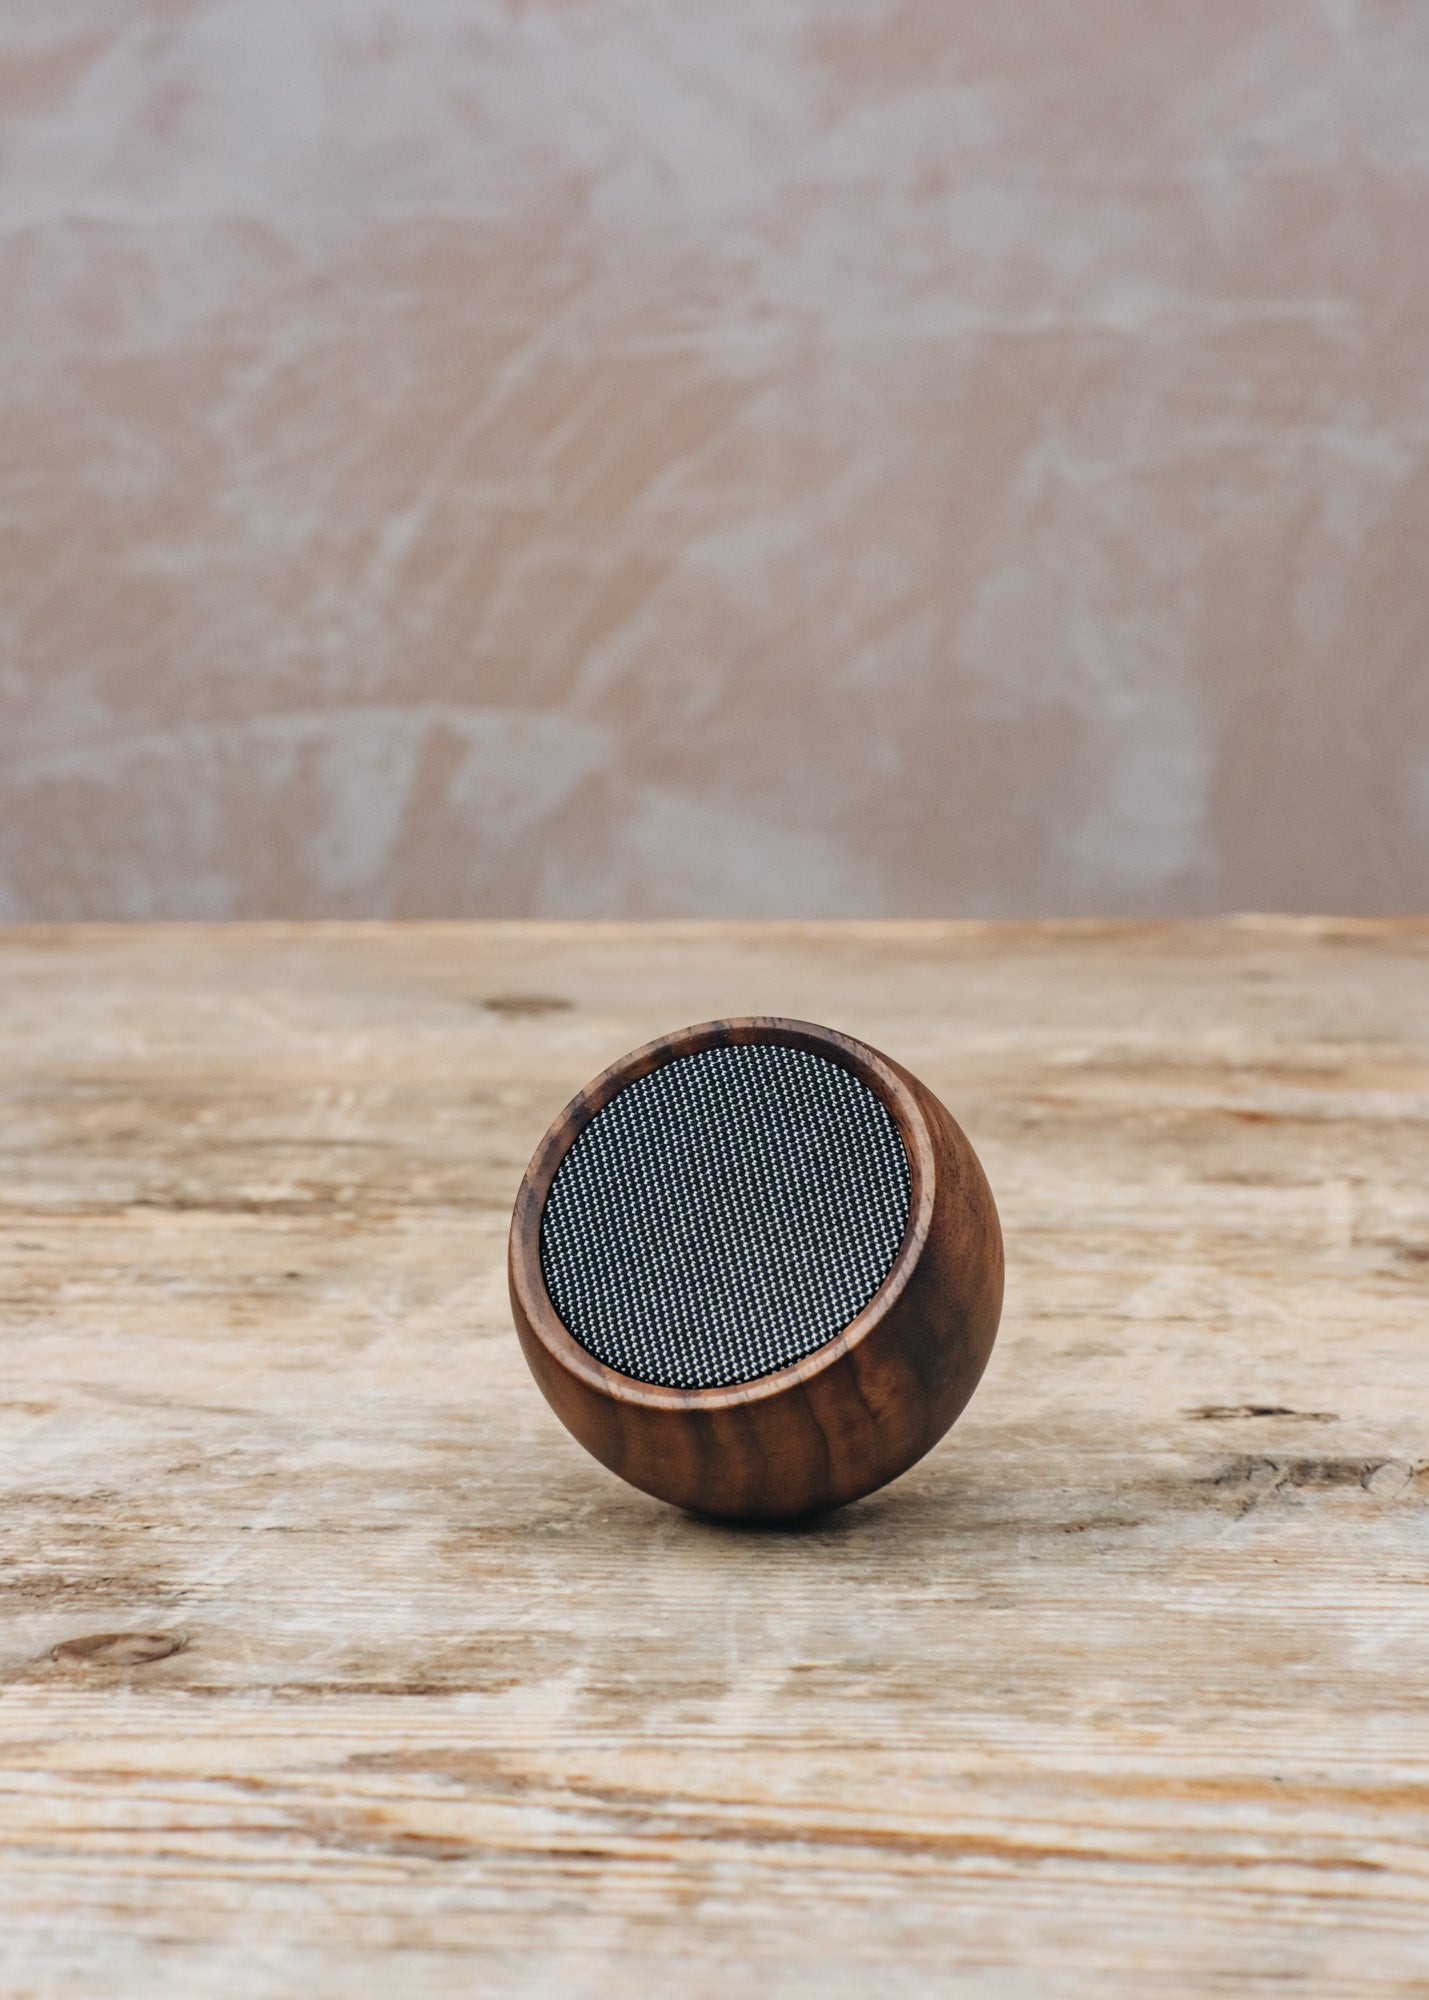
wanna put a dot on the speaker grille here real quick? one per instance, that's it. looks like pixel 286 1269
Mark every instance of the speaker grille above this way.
pixel 725 1215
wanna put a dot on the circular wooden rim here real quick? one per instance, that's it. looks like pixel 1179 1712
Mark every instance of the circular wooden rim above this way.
pixel 882 1077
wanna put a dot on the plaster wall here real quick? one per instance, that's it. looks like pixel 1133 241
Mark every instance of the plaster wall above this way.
pixel 780 457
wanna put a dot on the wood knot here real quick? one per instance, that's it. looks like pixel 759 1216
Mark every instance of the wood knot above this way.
pixel 513 1005
pixel 118 1649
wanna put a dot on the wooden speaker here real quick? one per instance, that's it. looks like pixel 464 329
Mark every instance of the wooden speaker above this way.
pixel 756 1268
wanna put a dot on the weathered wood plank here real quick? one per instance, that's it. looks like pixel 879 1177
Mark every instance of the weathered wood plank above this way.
pixel 330 1664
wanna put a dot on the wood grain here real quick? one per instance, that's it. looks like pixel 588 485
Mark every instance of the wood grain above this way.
pixel 332 1665
pixel 847 1418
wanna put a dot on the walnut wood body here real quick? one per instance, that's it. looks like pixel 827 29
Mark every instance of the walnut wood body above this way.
pixel 848 1417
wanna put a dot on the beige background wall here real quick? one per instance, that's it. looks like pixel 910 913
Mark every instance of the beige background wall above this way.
pixel 781 456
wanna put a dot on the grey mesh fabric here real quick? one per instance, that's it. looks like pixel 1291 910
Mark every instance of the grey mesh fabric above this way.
pixel 725 1215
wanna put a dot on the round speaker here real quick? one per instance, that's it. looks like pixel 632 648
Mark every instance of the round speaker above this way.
pixel 756 1268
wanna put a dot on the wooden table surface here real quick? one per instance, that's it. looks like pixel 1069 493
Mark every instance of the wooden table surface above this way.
pixel 332 1666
